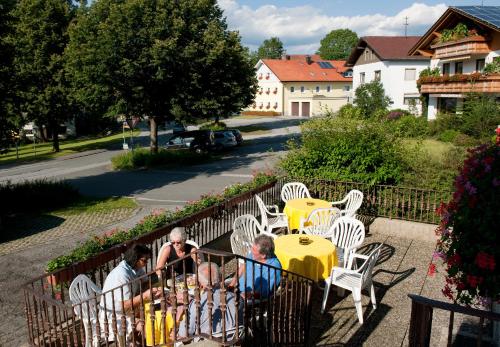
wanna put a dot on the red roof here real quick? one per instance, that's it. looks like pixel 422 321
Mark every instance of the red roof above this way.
pixel 386 48
pixel 295 70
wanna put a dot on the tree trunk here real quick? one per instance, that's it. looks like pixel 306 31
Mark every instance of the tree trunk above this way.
pixel 153 134
pixel 55 136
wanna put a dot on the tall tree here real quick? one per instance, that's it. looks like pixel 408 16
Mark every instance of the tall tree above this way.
pixel 159 59
pixel 271 49
pixel 40 38
pixel 370 98
pixel 337 44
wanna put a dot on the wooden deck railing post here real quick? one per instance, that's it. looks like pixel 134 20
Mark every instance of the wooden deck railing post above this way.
pixel 420 325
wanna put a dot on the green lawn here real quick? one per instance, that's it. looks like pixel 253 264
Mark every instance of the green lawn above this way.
pixel 44 150
pixel 93 205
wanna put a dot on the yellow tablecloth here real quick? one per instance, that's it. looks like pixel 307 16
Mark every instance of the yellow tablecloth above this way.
pixel 314 260
pixel 158 329
pixel 298 208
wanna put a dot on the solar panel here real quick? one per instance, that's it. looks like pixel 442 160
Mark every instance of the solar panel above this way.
pixel 325 65
pixel 487 14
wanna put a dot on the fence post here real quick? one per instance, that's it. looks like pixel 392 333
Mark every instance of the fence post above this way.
pixel 420 325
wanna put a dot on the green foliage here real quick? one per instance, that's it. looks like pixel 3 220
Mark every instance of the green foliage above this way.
pixel 481 115
pixel 458 32
pixel 154 221
pixel 349 111
pixel 448 135
pixel 444 121
pixel 271 49
pixel 493 67
pixel 428 72
pixel 411 126
pixel 468 244
pixel 370 98
pixel 337 44
pixel 347 149
pixel 35 196
pixel 214 126
pixel 142 157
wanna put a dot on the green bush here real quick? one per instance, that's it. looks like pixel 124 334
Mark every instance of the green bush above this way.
pixel 370 98
pixel 448 135
pixel 35 196
pixel 411 126
pixel 347 149
pixel 463 140
pixel 349 111
pixel 481 115
pixel 154 221
pixel 142 157
pixel 445 121
pixel 214 126
pixel 493 67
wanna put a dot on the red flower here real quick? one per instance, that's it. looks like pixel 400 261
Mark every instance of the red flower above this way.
pixel 460 285
pixel 447 292
pixel 474 281
pixel 432 269
pixel 485 261
pixel 454 260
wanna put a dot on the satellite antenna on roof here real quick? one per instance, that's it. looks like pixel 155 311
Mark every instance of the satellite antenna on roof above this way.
pixel 406 25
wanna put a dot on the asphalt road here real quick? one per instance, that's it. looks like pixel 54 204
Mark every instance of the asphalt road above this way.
pixel 92 174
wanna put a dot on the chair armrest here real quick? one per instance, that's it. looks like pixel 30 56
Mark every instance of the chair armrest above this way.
pixel 343 201
pixel 268 234
pixel 340 270
pixel 275 207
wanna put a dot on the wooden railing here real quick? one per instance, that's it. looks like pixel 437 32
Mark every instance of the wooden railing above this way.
pixel 412 204
pixel 421 319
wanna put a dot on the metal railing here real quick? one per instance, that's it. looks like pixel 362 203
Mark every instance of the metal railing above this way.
pixel 421 319
pixel 406 203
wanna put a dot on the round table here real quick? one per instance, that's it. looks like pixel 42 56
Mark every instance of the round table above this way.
pixel 297 209
pixel 314 260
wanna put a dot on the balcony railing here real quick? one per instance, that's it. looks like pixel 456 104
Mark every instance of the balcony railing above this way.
pixel 463 47
pixel 473 83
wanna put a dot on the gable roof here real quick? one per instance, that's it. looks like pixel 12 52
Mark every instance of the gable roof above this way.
pixel 295 70
pixel 483 16
pixel 385 48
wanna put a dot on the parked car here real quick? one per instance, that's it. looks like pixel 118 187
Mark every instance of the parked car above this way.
pixel 198 140
pixel 224 139
pixel 237 135
pixel 178 128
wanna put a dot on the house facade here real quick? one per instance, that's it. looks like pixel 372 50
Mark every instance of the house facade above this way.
pixel 301 85
pixel 386 58
pixel 462 42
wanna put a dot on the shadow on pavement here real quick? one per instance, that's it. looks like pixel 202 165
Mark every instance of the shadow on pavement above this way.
pixel 22 226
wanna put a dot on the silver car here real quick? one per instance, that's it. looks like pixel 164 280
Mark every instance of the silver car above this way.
pixel 224 139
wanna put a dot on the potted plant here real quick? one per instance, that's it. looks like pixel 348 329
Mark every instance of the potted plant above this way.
pixel 469 233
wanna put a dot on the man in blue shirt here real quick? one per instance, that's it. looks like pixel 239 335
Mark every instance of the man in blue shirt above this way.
pixel 256 280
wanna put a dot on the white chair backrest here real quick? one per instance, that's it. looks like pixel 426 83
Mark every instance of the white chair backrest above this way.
pixel 245 230
pixel 354 201
pixel 263 212
pixel 348 233
pixel 294 190
pixel 320 221
pixel 167 244
pixel 83 290
pixel 367 267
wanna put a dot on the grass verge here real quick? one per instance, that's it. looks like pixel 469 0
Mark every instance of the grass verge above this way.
pixel 95 205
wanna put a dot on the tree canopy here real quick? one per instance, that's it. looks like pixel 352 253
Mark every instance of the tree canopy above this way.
pixel 370 98
pixel 337 44
pixel 162 60
pixel 271 49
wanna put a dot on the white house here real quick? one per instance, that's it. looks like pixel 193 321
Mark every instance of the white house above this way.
pixel 386 58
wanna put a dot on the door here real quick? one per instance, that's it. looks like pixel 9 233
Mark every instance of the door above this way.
pixel 295 108
pixel 305 109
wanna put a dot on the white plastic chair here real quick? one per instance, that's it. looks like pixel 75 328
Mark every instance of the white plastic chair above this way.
pixel 352 201
pixel 83 294
pixel 347 234
pixel 245 230
pixel 354 280
pixel 319 222
pixel 167 244
pixel 271 220
pixel 294 190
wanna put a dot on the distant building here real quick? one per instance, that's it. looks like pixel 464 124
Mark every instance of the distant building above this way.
pixel 386 58
pixel 460 54
pixel 301 85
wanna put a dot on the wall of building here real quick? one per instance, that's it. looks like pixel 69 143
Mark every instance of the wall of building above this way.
pixel 320 101
pixel 269 95
pixel 393 79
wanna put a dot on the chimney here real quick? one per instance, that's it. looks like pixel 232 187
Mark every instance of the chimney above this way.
pixel 308 59
pixel 285 57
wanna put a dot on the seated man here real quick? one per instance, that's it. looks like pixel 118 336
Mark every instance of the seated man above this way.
pixel 119 302
pixel 209 273
pixel 255 280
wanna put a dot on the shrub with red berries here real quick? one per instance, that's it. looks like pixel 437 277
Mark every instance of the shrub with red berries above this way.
pixel 470 230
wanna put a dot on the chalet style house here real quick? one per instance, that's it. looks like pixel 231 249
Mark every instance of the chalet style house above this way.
pixel 386 58
pixel 301 85
pixel 464 48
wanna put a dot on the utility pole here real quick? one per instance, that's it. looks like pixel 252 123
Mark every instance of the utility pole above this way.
pixel 406 26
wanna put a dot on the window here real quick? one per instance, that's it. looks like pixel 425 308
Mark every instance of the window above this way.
pixel 317 89
pixel 348 73
pixel 378 74
pixel 361 77
pixel 411 100
pixel 446 68
pixel 459 67
pixel 328 88
pixel 302 89
pixel 410 74
pixel 347 88
pixel 367 54
pixel 479 65
pixel 292 89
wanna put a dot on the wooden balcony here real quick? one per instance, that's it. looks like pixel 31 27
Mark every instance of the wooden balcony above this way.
pixel 452 84
pixel 463 47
